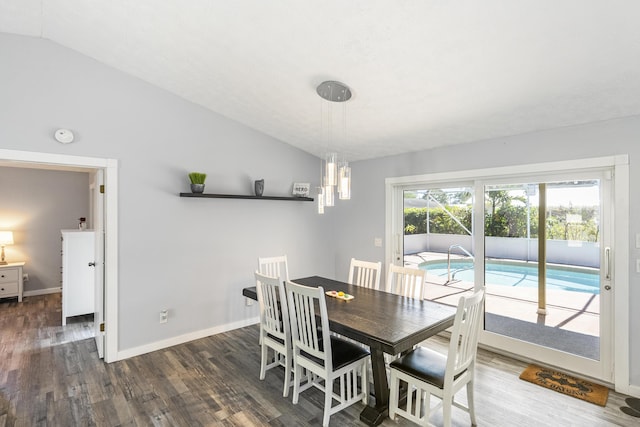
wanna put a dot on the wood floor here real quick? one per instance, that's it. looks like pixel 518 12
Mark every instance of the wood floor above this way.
pixel 50 376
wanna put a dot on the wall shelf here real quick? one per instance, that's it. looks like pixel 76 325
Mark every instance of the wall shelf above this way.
pixel 239 196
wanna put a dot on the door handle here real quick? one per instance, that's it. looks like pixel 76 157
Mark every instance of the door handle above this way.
pixel 607 263
pixel 92 264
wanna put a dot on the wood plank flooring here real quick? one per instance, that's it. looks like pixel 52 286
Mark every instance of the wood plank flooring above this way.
pixel 50 376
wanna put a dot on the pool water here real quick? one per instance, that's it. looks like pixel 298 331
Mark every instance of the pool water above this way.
pixel 521 275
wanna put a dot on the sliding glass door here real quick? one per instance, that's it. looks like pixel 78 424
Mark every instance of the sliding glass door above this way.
pixel 539 243
pixel 545 244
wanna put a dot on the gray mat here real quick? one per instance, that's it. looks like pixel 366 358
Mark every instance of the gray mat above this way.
pixel 559 339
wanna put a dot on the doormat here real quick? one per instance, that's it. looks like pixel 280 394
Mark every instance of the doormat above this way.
pixel 566 384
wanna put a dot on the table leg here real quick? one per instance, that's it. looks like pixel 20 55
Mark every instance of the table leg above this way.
pixel 374 415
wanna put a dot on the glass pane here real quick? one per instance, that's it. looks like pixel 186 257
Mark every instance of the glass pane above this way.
pixel 438 238
pixel 558 305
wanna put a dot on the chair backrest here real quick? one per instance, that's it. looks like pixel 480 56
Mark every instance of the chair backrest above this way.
pixel 464 336
pixel 406 281
pixel 275 266
pixel 364 273
pixel 274 315
pixel 303 302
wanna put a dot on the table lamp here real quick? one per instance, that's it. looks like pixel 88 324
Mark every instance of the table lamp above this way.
pixel 6 238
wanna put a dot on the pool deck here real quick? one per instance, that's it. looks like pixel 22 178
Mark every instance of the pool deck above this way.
pixel 570 311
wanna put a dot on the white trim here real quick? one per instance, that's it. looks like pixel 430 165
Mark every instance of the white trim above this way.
pixel 111 308
pixel 41 292
pixel 634 391
pixel 498 172
pixel 191 336
pixel 620 163
pixel 31 157
pixel 110 166
pixel 621 336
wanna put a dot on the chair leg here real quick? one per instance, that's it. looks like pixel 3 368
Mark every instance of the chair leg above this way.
pixel 297 372
pixel 263 362
pixel 328 391
pixel 472 411
pixel 447 403
pixel 393 396
pixel 425 406
pixel 287 375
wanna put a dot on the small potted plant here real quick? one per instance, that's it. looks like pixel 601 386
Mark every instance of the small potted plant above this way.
pixel 197 181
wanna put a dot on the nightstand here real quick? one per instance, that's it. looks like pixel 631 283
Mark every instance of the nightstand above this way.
pixel 11 280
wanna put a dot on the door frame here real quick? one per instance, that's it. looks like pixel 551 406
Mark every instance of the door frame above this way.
pixel 620 165
pixel 39 160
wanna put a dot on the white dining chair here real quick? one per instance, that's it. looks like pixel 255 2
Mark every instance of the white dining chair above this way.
pixel 428 372
pixel 409 282
pixel 275 266
pixel 365 273
pixel 275 331
pixel 325 357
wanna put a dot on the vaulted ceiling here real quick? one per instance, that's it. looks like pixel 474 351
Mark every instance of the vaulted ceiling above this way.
pixel 423 73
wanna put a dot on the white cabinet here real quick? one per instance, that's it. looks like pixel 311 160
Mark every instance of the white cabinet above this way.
pixel 11 280
pixel 78 273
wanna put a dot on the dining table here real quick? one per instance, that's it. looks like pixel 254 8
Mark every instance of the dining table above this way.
pixel 385 322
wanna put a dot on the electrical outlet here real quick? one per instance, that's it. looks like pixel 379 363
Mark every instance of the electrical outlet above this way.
pixel 25 277
pixel 377 242
pixel 164 316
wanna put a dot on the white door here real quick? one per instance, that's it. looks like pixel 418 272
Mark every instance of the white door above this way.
pixel 97 206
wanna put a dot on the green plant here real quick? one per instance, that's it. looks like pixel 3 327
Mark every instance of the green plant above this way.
pixel 197 177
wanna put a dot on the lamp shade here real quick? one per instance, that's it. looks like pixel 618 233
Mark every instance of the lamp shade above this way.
pixel 6 238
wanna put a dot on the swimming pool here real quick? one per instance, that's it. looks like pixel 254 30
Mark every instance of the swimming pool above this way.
pixel 521 275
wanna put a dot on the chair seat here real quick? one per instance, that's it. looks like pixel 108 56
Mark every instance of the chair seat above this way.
pixel 276 339
pixel 343 353
pixel 424 364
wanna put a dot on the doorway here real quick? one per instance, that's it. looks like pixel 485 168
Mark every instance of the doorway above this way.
pixel 108 167
pixel 503 204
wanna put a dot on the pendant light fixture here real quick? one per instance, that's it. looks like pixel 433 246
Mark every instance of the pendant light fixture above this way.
pixel 335 173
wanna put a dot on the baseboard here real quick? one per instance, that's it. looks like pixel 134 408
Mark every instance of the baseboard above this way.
pixel 634 390
pixel 41 292
pixel 170 342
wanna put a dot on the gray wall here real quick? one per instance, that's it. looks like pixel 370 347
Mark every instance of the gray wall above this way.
pixel 191 256
pixel 590 140
pixel 36 205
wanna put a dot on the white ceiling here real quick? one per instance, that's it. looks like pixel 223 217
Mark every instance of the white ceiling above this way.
pixel 424 73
